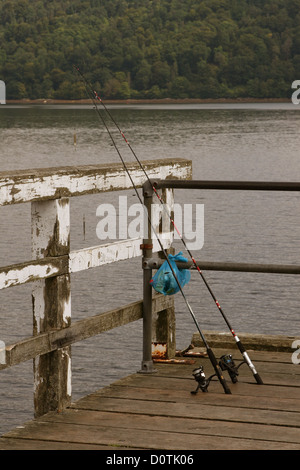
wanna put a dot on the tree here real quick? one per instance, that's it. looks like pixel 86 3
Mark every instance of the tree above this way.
pixel 160 74
pixel 142 76
pixel 180 88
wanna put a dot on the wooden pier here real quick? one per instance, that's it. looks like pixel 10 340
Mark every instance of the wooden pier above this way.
pixel 153 409
pixel 157 412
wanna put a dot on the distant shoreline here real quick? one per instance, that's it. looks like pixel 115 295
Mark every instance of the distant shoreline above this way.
pixel 154 101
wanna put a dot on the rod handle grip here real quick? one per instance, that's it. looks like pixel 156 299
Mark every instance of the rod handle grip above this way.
pixel 258 379
pixel 218 371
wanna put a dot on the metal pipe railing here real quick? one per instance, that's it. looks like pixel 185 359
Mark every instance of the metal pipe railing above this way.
pixel 155 263
pixel 227 185
pixel 150 263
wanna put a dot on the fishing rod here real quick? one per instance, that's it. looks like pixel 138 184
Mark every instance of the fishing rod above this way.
pixel 210 353
pixel 246 358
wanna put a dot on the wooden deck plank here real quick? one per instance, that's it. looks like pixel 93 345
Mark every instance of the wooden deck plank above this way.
pixel 137 438
pixel 188 384
pixel 169 424
pixel 269 369
pixel 31 444
pixel 272 374
pixel 189 410
pixel 157 411
pixel 179 396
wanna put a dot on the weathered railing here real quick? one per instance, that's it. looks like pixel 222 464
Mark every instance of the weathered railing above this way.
pixel 48 191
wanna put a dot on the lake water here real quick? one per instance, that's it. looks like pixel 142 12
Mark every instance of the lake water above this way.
pixel 225 142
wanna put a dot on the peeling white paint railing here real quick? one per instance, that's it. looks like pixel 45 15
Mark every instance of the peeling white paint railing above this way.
pixel 49 191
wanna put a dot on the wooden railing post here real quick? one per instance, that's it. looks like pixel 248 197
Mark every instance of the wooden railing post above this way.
pixel 159 325
pixel 164 322
pixel 51 300
pixel 164 333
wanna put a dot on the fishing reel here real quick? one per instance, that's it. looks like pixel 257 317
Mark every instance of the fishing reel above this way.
pixel 200 377
pixel 227 363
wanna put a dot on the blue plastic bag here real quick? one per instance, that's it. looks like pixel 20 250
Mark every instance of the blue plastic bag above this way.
pixel 164 281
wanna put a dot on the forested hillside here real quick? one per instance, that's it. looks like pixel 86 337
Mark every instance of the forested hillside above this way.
pixel 150 48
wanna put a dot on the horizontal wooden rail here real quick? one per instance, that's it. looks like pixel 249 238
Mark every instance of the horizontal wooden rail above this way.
pixel 34 270
pixel 53 183
pixel 109 253
pixel 76 261
pixel 53 340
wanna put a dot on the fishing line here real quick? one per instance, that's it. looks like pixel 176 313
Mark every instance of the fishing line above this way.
pixel 94 96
